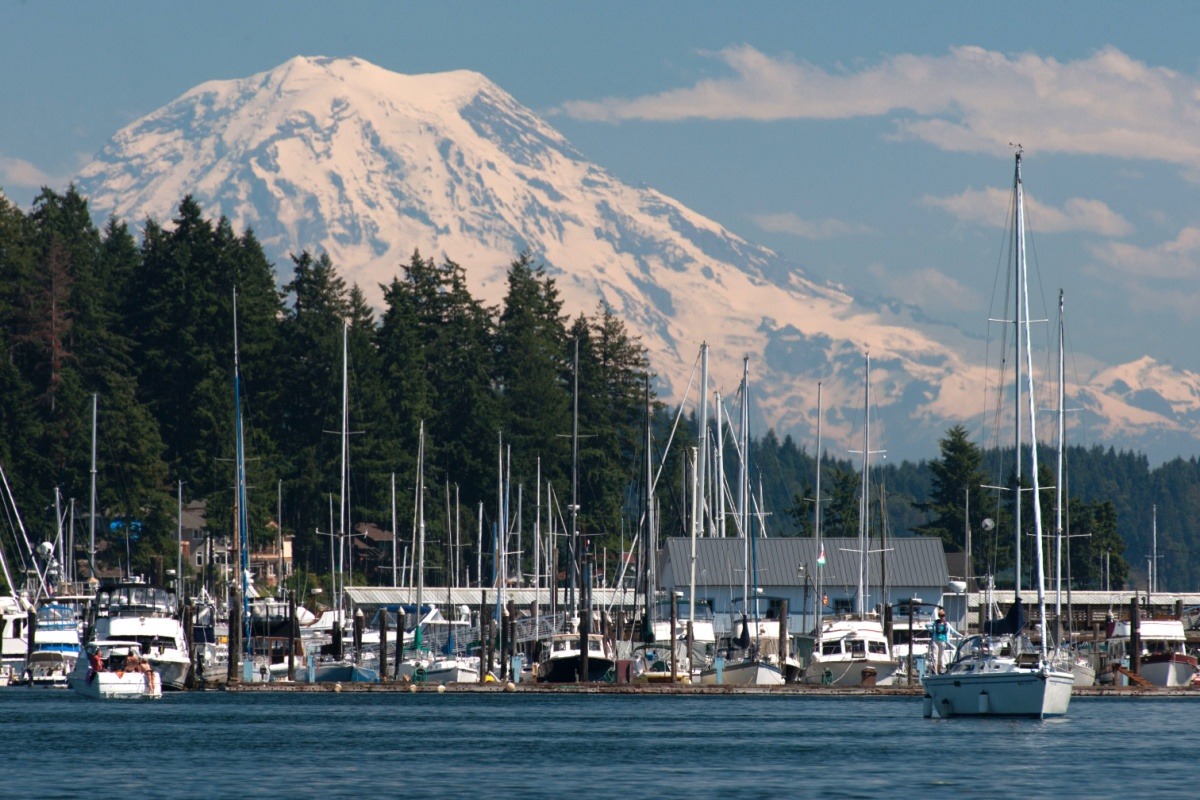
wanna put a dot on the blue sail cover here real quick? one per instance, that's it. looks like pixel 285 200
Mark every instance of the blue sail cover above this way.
pixel 1012 623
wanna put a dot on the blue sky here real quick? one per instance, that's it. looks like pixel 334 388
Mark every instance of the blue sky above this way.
pixel 865 141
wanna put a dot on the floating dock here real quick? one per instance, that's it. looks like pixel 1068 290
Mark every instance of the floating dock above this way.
pixel 797 690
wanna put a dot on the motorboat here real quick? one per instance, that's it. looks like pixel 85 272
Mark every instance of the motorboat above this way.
pixel 562 659
pixel 115 670
pixel 130 610
pixel 851 650
pixel 652 663
pixel 1164 658
pixel 55 646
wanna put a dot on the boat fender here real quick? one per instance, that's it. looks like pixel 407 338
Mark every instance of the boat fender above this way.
pixel 927 706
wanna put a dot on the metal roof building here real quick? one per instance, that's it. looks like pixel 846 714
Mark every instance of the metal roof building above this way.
pixel 786 568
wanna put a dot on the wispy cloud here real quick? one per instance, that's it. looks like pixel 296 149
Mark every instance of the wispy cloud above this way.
pixel 925 287
pixel 809 229
pixel 992 207
pixel 19 172
pixel 971 99
pixel 1178 259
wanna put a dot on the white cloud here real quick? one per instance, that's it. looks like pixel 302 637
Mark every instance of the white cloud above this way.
pixel 1174 260
pixel 968 100
pixel 21 173
pixel 994 206
pixel 809 229
pixel 926 287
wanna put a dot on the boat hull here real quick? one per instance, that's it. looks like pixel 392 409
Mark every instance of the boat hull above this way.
pixel 1169 669
pixel 452 671
pixel 174 671
pixel 743 673
pixel 569 669
pixel 117 685
pixel 1017 693
pixel 852 673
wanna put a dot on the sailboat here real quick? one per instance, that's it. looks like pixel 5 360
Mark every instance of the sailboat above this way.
pixel 852 649
pixel 1081 665
pixel 1001 673
pixel 757 639
pixel 579 655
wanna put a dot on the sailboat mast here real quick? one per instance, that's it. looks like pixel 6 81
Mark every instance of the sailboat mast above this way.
pixel 92 497
pixel 1058 474
pixel 1033 477
pixel 575 555
pixel 702 437
pixel 744 487
pixel 345 451
pixel 537 551
pixel 242 516
pixel 720 515
pixel 1021 334
pixel 420 529
pixel 864 508
pixel 395 535
pixel 648 529
pixel 817 524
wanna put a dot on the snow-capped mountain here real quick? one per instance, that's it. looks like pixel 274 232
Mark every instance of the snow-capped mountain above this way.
pixel 367 164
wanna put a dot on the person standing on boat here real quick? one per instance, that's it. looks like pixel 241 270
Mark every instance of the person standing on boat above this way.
pixel 941 632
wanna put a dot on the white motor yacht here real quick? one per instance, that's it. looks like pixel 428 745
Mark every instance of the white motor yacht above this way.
pixel 132 611
pixel 115 670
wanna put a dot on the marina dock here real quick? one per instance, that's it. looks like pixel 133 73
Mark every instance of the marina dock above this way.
pixel 797 690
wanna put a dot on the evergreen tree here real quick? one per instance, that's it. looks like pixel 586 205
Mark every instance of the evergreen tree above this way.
pixel 958 481
pixel 531 362
pixel 311 357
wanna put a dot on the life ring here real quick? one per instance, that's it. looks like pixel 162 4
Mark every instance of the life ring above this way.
pixel 419 675
pixel 827 677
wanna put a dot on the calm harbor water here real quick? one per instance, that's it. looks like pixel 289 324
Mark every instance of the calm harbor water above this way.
pixel 328 745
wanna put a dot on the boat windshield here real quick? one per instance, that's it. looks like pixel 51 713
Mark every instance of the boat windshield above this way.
pixel 137 600
pixel 55 617
pixel 683 610
pixel 974 647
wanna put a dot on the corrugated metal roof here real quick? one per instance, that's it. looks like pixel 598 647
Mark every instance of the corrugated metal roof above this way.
pixel 915 561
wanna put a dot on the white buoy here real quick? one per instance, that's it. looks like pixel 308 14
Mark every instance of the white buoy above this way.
pixel 510 687
pixel 337 687
pixel 983 703
pixel 441 688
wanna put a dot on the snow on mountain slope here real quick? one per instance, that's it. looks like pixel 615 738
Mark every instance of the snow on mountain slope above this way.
pixel 341 155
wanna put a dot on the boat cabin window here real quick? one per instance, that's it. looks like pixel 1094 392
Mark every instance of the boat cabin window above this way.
pixel 877 648
pixel 593 646
pixel 858 648
pixel 833 648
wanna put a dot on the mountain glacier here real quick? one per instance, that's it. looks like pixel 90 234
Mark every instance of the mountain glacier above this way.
pixel 344 156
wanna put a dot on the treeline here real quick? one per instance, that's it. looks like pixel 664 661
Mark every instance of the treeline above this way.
pixel 1115 502
pixel 147 324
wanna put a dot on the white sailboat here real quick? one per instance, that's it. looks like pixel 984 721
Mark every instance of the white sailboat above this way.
pixel 1069 652
pixel 757 642
pixel 1002 674
pixel 852 649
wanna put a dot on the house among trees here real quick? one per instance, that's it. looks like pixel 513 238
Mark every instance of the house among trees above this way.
pixel 373 551
pixel 209 554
